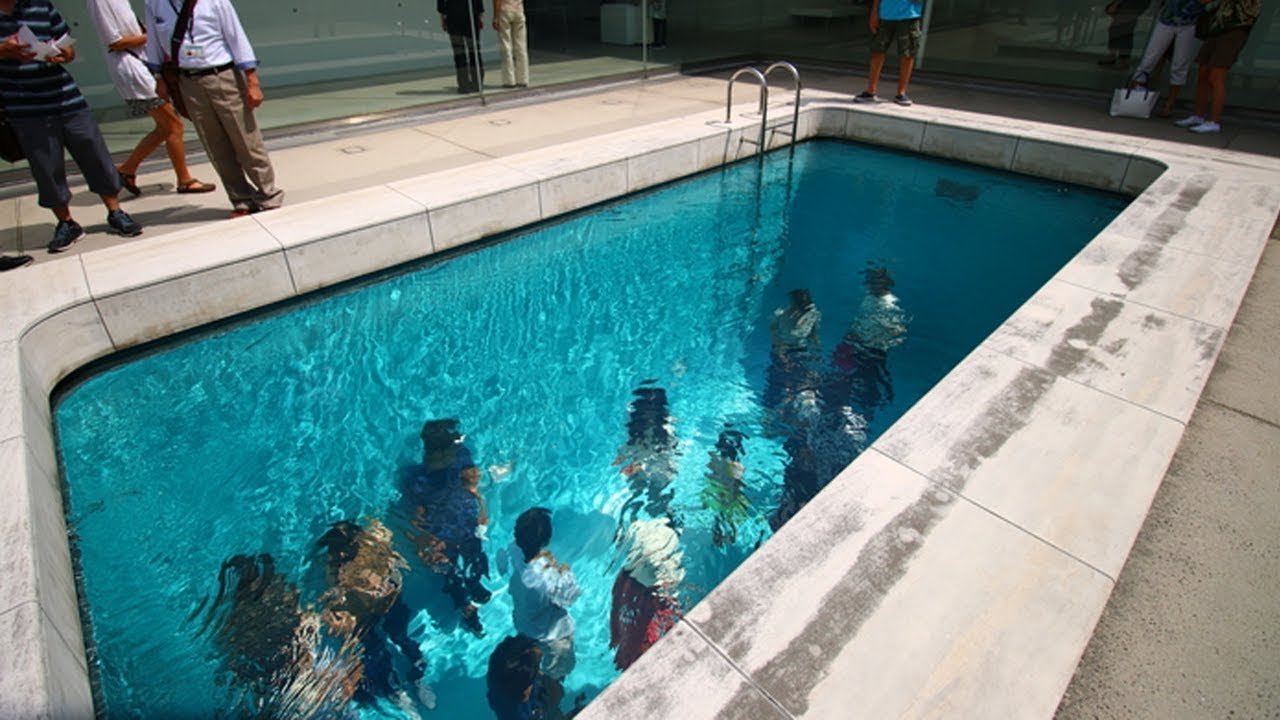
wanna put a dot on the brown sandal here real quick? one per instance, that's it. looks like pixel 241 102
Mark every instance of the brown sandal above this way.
pixel 195 186
pixel 130 182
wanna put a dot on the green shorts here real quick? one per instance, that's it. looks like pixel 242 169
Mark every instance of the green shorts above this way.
pixel 907 33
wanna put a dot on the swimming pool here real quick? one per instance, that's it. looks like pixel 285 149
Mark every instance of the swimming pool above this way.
pixel 257 438
pixel 94 309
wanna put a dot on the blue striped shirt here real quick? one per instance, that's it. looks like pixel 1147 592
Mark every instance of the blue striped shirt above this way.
pixel 36 89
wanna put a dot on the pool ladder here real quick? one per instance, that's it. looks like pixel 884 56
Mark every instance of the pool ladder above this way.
pixel 763 79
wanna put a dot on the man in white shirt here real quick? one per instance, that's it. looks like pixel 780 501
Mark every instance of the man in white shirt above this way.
pixel 218 79
pixel 541 592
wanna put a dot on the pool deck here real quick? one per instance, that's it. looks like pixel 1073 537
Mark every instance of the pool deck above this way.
pixel 961 567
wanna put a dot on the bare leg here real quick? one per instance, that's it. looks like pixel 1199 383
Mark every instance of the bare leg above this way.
pixel 1203 92
pixel 168 130
pixel 905 65
pixel 1169 102
pixel 1218 92
pixel 873 72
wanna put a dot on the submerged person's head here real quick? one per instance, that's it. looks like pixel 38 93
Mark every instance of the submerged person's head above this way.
pixel 533 531
pixel 801 299
pixel 729 444
pixel 440 441
pixel 648 417
pixel 513 667
pixel 878 281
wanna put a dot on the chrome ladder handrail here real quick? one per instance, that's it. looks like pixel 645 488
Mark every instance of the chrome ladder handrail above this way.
pixel 763 79
pixel 764 100
pixel 795 76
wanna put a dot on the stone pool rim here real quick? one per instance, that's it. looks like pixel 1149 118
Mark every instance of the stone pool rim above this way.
pixel 971 589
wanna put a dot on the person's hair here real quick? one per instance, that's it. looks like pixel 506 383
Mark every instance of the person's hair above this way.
pixel 512 669
pixel 730 444
pixel 801 298
pixel 878 280
pixel 341 542
pixel 647 422
pixel 533 531
pixel 440 434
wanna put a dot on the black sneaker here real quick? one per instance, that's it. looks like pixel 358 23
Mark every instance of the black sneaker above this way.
pixel 67 232
pixel 12 262
pixel 119 221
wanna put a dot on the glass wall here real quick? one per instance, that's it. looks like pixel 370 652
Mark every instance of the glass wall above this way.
pixel 318 46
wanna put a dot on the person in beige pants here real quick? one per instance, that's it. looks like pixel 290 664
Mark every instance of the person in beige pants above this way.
pixel 508 21
pixel 218 77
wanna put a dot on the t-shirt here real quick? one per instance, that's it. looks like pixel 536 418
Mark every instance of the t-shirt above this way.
pixel 36 88
pixel 900 9
pixel 540 596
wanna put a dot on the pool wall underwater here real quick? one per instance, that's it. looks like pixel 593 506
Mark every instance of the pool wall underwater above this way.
pixel 958 567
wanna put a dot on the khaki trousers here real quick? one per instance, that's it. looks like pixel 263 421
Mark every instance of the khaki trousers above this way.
pixel 232 139
pixel 513 44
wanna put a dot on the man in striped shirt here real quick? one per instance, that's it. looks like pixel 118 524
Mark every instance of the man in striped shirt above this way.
pixel 50 116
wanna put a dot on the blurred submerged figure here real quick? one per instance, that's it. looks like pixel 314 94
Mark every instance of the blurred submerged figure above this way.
pixel 364 604
pixel 517 687
pixel 793 355
pixel 272 648
pixel 647 458
pixel 542 589
pixel 449 518
pixel 859 377
pixel 645 604
pixel 725 492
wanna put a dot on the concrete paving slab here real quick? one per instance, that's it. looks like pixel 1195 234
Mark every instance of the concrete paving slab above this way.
pixel 1247 376
pixel 1190 631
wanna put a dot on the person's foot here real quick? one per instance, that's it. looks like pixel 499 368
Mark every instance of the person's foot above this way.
pixel 13 262
pixel 1208 126
pixel 120 222
pixel 240 212
pixel 902 99
pixel 1187 122
pixel 130 182
pixel 65 235
pixel 195 186
pixel 866 96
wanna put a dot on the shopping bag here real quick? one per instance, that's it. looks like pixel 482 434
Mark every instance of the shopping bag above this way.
pixel 1133 102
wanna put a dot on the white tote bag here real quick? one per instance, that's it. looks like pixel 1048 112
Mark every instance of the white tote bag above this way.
pixel 1133 102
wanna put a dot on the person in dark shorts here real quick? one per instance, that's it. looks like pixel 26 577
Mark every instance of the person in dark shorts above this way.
pixel 890 21
pixel 1229 23
pixel 51 119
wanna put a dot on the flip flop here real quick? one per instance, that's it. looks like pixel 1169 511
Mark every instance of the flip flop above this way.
pixel 195 186
pixel 130 183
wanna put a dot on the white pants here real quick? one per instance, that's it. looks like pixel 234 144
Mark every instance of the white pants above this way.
pixel 513 44
pixel 1185 45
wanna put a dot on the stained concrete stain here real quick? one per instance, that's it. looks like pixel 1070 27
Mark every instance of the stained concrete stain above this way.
pixel 792 674
pixel 1068 355
pixel 1137 267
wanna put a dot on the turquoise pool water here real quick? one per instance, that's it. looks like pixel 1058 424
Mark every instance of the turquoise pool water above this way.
pixel 258 435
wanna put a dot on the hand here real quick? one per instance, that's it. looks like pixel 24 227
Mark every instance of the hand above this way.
pixel 873 22
pixel 162 89
pixel 64 56
pixel 252 90
pixel 253 96
pixel 15 50
pixel 495 25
